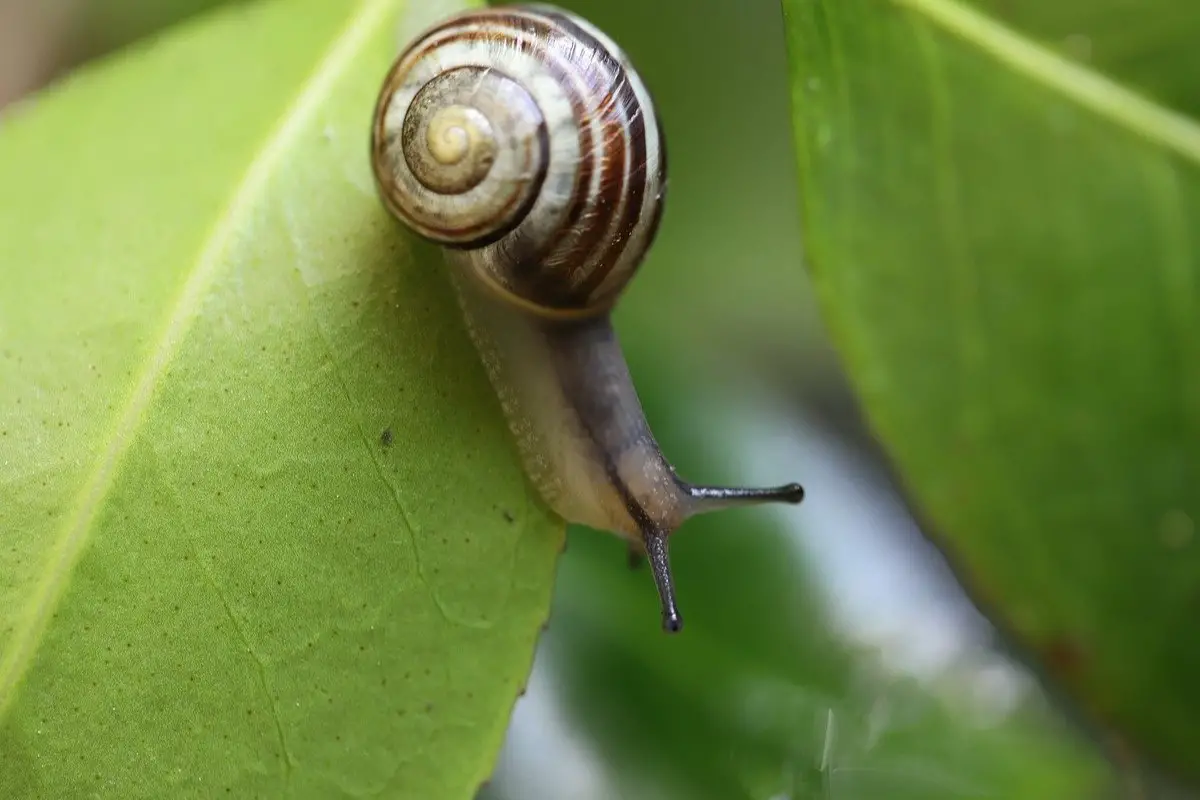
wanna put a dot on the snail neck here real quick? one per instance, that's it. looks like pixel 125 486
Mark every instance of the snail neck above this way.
pixel 578 424
pixel 575 415
pixel 572 408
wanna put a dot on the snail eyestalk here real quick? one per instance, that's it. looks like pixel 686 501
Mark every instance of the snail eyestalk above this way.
pixel 655 541
pixel 716 498
pixel 703 500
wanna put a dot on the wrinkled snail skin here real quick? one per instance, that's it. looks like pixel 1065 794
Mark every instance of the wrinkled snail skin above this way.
pixel 521 140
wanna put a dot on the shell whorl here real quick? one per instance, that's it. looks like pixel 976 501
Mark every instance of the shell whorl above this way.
pixel 523 138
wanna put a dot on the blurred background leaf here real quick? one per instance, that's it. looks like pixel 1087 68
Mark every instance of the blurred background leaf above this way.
pixel 98 26
pixel 829 653
pixel 1000 203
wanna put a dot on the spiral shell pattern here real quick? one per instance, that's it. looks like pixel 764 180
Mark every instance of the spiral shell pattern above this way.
pixel 523 137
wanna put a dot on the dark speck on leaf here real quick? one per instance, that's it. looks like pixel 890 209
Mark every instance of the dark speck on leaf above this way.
pixel 508 517
pixel 386 438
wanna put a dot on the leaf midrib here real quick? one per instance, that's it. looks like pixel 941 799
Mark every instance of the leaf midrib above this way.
pixel 73 537
pixel 1086 87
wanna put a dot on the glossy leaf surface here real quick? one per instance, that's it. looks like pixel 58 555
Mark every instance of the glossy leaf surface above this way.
pixel 262 530
pixel 1000 206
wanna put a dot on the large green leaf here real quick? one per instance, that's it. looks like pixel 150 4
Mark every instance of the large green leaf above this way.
pixel 262 530
pixel 1000 206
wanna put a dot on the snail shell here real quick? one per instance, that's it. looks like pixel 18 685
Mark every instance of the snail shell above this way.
pixel 522 140
pixel 524 136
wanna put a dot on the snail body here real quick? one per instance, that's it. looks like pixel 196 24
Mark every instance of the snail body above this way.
pixel 522 141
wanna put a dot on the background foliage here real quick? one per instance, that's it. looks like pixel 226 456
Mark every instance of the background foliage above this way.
pixel 999 205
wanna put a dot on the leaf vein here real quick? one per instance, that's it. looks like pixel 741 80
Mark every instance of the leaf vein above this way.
pixel 1090 90
pixel 285 753
pixel 73 538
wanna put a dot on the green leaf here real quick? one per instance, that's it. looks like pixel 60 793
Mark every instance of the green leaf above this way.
pixel 1000 204
pixel 262 529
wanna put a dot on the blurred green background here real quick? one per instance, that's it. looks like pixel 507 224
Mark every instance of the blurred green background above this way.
pixel 828 653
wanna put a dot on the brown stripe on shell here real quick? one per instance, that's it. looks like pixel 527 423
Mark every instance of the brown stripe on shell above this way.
pixel 509 17
pixel 502 28
pixel 575 244
pixel 591 241
pixel 537 279
pixel 635 195
pixel 548 281
pixel 628 134
pixel 538 273
pixel 657 203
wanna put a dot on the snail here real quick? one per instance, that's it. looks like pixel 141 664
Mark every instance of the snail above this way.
pixel 521 140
